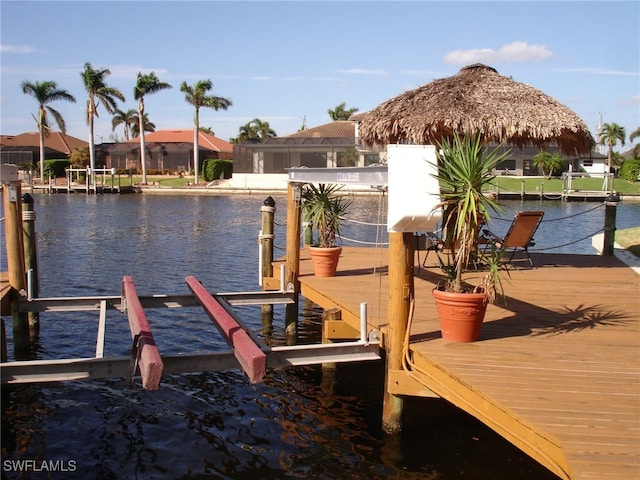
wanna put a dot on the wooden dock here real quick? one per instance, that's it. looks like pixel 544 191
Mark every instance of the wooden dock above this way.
pixel 556 371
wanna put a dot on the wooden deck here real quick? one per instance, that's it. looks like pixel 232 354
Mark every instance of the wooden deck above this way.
pixel 556 371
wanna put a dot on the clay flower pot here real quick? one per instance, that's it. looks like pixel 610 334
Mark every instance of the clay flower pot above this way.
pixel 325 260
pixel 461 314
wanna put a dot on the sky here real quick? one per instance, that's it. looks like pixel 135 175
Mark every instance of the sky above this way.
pixel 289 62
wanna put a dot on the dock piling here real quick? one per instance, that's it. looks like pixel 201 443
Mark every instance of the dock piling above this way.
pixel 611 205
pixel 15 263
pixel 30 261
pixel 266 255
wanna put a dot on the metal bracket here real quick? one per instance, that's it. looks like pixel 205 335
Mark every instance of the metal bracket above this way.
pixel 135 357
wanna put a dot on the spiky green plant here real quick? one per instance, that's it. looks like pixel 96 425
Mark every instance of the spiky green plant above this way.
pixel 324 208
pixel 465 172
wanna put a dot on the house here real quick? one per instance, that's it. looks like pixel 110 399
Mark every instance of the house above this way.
pixel 265 162
pixel 24 148
pixel 167 150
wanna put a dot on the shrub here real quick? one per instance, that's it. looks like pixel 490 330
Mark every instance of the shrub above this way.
pixel 630 170
pixel 213 169
pixel 55 168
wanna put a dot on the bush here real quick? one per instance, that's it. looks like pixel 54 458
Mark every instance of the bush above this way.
pixel 55 168
pixel 630 170
pixel 213 169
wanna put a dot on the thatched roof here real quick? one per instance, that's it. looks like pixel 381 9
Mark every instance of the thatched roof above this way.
pixel 476 100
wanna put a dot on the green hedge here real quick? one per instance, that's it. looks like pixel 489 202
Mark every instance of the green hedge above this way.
pixel 213 169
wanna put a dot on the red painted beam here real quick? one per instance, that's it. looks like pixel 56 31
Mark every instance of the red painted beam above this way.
pixel 251 358
pixel 149 360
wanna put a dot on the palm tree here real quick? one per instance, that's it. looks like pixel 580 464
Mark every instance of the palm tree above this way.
pixel 148 126
pixel 635 134
pixel 341 112
pixel 128 119
pixel 254 130
pixel 146 84
pixel 548 163
pixel 197 96
pixel 98 90
pixel 609 135
pixel 46 92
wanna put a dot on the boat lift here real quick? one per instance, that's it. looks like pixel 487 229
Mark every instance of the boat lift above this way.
pixel 247 350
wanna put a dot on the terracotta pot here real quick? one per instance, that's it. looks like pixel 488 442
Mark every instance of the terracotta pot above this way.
pixel 461 314
pixel 325 260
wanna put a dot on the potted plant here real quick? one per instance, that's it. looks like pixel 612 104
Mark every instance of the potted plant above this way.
pixel 465 171
pixel 323 207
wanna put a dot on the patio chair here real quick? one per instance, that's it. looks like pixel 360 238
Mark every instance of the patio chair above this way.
pixel 518 237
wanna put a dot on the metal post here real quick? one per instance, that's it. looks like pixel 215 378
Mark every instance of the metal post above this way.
pixel 611 205
pixel 30 260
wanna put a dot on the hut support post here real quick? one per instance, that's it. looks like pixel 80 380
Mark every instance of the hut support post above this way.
pixel 292 263
pixel 400 296
pixel 611 205
pixel 31 260
pixel 15 263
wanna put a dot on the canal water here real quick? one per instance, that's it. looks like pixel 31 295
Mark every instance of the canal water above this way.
pixel 299 423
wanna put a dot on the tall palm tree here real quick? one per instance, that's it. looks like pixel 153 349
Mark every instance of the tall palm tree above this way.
pixel 146 84
pixel 341 112
pixel 610 133
pixel 44 93
pixel 197 96
pixel 128 119
pixel 99 91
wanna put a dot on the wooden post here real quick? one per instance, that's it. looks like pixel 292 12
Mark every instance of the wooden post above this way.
pixel 266 258
pixel 15 263
pixel 400 295
pixel 611 205
pixel 327 315
pixel 30 261
pixel 292 263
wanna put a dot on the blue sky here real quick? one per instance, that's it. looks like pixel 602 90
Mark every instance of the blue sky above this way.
pixel 285 62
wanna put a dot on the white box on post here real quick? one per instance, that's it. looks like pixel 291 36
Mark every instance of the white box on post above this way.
pixel 414 193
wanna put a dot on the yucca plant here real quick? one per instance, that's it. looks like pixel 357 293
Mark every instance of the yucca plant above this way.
pixel 324 208
pixel 465 172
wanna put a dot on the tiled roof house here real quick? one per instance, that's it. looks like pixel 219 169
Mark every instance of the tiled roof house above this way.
pixel 167 150
pixel 24 148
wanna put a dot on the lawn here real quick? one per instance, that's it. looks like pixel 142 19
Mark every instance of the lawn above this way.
pixel 554 185
pixel 629 238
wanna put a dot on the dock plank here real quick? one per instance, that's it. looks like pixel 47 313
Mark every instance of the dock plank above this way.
pixel 556 370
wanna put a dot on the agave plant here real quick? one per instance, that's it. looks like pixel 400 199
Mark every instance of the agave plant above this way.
pixel 465 171
pixel 324 208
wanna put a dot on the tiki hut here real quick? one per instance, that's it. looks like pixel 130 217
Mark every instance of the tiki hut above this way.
pixel 476 100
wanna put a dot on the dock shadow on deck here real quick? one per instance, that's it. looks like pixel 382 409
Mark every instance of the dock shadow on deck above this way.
pixel 556 370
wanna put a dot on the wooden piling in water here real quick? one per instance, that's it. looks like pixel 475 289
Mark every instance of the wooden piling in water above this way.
pixel 30 261
pixel 266 246
pixel 611 205
pixel 292 264
pixel 400 295
pixel 15 262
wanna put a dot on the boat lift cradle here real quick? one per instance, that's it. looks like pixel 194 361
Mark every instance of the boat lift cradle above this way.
pixel 247 350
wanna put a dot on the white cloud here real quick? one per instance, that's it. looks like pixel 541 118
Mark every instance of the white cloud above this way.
pixel 511 52
pixel 630 102
pixel 17 49
pixel 599 71
pixel 363 71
